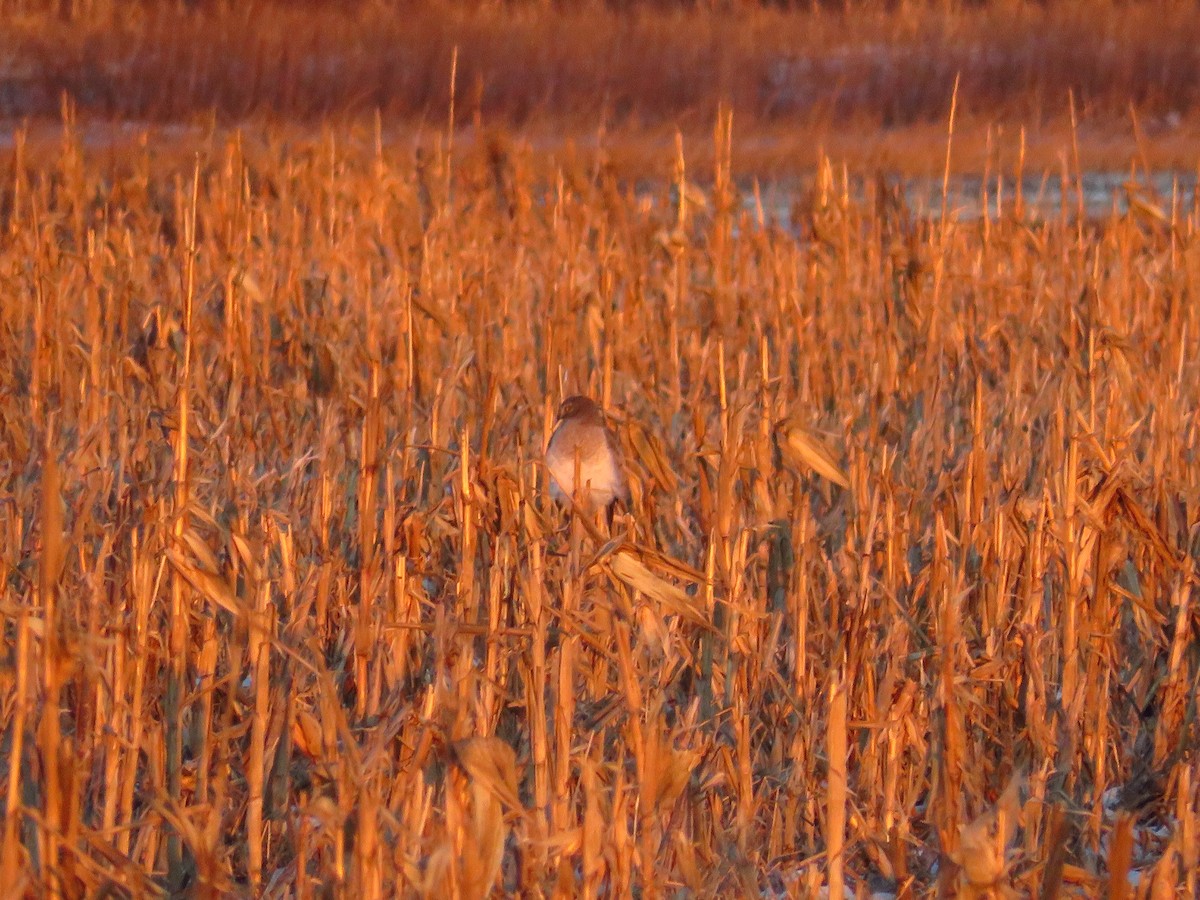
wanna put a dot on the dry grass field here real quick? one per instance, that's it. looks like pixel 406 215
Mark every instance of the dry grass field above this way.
pixel 904 605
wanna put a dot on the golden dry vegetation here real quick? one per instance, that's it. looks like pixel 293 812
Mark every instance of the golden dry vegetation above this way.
pixel 904 604
pixel 338 639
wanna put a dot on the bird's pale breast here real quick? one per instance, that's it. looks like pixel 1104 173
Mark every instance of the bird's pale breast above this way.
pixel 599 472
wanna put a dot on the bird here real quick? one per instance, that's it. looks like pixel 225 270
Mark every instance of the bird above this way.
pixel 583 439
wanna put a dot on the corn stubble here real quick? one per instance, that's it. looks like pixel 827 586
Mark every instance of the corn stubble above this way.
pixel 904 600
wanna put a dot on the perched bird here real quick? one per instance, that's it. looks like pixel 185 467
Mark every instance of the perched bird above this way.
pixel 583 443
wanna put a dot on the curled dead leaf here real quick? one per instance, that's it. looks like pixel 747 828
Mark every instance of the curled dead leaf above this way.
pixel 802 448
pixel 649 452
pixel 629 569
pixel 491 764
pixel 306 733
pixel 983 843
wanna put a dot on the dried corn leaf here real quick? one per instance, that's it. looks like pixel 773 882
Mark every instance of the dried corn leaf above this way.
pixel 649 452
pixel 491 769
pixel 983 843
pixel 306 733
pixel 491 764
pixel 1146 210
pixel 803 449
pixel 677 767
pixel 628 568
pixel 209 584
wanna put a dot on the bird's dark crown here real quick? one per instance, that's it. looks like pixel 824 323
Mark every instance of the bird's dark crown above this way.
pixel 580 407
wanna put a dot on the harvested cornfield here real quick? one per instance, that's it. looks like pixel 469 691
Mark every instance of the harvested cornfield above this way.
pixel 902 604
